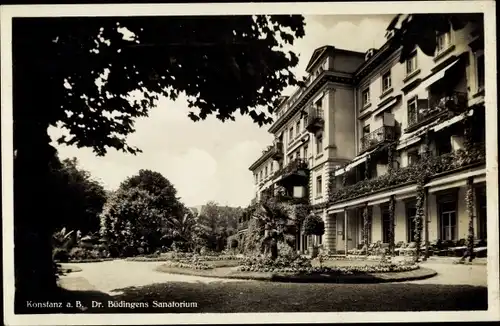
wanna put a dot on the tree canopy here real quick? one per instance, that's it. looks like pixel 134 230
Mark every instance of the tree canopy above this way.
pixel 143 212
pixel 97 74
pixel 80 198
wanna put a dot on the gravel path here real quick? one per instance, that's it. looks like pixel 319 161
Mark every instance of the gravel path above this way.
pixel 117 274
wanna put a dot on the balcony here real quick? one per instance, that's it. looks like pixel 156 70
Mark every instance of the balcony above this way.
pixel 314 121
pixel 377 137
pixel 428 110
pixel 294 173
pixel 434 165
pixel 277 151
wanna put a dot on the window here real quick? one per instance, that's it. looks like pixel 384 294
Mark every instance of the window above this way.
pixel 290 134
pixel 297 127
pixel 319 186
pixel 266 171
pixel 260 178
pixel 386 224
pixel 443 42
pixel 319 144
pixel 272 167
pixel 411 212
pixel 443 146
pixel 366 130
pixel 448 220
pixel 480 71
pixel 305 152
pixel 386 81
pixel 411 64
pixel 366 97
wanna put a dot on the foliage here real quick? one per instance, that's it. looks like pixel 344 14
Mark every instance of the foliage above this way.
pixel 253 236
pixel 233 244
pixel 411 174
pixel 277 224
pixel 419 30
pixel 366 226
pixel 314 225
pixel 216 223
pixel 469 202
pixel 303 266
pixel 392 206
pixel 80 197
pixel 202 57
pixel 61 254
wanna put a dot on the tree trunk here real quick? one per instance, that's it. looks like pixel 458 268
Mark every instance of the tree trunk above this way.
pixel 274 249
pixel 34 217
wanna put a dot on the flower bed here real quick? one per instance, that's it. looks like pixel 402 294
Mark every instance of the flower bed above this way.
pixel 196 265
pixel 89 260
pixel 345 270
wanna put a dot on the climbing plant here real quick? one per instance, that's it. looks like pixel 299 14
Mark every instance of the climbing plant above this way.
pixel 469 201
pixel 392 204
pixel 366 227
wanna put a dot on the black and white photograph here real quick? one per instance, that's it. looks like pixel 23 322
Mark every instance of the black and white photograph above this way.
pixel 321 162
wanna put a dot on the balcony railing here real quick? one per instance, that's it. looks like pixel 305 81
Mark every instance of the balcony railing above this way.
pixel 315 120
pixel 427 110
pixel 434 165
pixel 381 135
pixel 277 153
pixel 293 167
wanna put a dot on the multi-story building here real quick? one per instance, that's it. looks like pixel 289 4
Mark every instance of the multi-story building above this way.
pixel 368 137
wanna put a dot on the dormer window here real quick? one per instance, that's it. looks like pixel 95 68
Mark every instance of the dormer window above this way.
pixel 443 42
pixel 386 81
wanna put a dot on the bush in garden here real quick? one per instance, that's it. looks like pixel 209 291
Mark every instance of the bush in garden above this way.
pixel 234 244
pixel 314 225
pixel 61 254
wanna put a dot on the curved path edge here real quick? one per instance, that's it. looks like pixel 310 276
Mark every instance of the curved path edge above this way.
pixel 418 274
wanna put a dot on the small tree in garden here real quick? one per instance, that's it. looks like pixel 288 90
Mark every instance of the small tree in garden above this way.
pixel 277 224
pixel 314 225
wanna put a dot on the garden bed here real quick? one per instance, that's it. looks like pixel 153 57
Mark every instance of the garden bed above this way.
pixel 234 273
pixel 88 260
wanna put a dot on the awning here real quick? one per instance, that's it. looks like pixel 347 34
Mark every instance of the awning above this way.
pixel 452 121
pixel 408 142
pixel 431 79
pixel 357 161
pixel 386 106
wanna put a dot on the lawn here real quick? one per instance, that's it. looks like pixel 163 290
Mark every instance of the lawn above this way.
pixel 255 296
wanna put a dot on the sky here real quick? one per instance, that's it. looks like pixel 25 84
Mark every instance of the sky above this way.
pixel 208 160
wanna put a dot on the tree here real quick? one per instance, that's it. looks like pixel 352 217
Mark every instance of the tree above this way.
pixel 80 197
pixel 142 211
pixel 419 30
pixel 224 64
pixel 217 223
pixel 130 220
pixel 274 217
pixel 314 225
pixel 184 229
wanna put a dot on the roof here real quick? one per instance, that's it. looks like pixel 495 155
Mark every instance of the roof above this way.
pixel 320 52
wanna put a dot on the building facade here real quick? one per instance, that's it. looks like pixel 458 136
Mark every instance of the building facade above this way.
pixel 370 142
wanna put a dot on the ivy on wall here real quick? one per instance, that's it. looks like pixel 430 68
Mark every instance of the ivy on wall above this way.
pixel 366 226
pixel 424 169
pixel 469 201
pixel 392 206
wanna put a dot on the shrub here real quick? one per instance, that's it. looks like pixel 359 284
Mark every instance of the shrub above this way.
pixel 314 225
pixel 60 254
pixel 233 244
